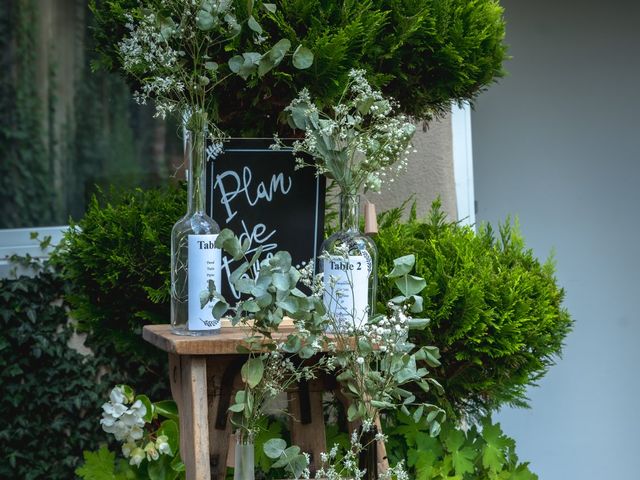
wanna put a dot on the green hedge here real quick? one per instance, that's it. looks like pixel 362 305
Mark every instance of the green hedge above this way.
pixel 51 394
pixel 116 260
pixel 424 53
pixel 496 310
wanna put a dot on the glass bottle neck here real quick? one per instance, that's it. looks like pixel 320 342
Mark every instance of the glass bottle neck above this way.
pixel 349 212
pixel 195 143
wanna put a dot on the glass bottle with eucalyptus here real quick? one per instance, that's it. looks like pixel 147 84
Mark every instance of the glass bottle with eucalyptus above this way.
pixel 195 262
pixel 349 263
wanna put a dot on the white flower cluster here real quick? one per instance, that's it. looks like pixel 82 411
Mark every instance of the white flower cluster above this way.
pixel 390 333
pixel 169 54
pixel 123 417
pixel 358 144
pixel 347 466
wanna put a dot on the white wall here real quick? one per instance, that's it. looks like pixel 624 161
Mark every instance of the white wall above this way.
pixel 558 144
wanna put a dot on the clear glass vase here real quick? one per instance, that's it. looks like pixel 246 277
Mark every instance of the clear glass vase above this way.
pixel 195 262
pixel 349 263
pixel 244 461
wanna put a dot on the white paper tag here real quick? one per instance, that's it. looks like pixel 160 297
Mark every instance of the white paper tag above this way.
pixel 346 294
pixel 204 265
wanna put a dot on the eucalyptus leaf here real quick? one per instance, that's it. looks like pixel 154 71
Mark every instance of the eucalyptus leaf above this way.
pixel 279 50
pixel 250 306
pixel 269 7
pixel 402 266
pixel 205 296
pixel 252 371
pixel 281 281
pixel 302 58
pixel 219 309
pixel 410 284
pixel 211 66
pixel 274 448
pixel 205 21
pixel 235 63
pixel 254 25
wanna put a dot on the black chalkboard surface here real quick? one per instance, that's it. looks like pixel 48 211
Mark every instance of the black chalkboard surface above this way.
pixel 258 193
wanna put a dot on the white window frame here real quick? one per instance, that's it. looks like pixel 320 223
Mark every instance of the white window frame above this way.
pixel 18 241
pixel 463 163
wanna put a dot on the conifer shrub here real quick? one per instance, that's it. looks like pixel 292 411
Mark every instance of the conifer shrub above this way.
pixel 496 311
pixel 424 53
pixel 116 260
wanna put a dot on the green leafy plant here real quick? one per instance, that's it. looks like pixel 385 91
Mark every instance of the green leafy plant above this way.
pixel 180 53
pixel 496 311
pixel 424 53
pixel 149 435
pixel 355 145
pixel 116 259
pixel 476 454
pixel 50 392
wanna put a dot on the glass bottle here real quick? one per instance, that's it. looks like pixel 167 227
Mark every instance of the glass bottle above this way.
pixel 244 461
pixel 349 263
pixel 194 259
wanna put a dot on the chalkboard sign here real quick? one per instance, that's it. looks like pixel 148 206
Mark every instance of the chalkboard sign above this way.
pixel 260 196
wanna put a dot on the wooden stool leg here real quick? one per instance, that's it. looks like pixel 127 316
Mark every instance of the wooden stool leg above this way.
pixel 194 431
pixel 222 372
pixel 307 421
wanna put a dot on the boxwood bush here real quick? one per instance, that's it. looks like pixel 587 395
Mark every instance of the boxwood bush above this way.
pixel 496 311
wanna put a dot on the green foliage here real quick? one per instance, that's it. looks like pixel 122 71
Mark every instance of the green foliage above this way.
pixel 478 454
pixel 153 456
pixel 117 262
pixel 26 193
pixel 424 53
pixel 496 311
pixel 51 394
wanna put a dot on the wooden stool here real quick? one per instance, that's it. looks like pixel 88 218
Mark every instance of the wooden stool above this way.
pixel 204 376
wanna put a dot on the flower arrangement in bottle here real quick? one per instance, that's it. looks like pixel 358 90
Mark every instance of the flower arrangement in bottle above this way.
pixel 358 143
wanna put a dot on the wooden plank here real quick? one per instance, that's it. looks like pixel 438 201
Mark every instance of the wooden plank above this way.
pixel 194 418
pixel 224 343
pixel 307 422
pixel 223 380
pixel 383 459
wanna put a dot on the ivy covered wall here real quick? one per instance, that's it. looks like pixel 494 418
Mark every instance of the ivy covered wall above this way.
pixel 63 129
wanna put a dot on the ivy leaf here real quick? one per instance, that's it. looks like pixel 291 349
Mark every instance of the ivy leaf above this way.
pixel 98 465
pixel 302 58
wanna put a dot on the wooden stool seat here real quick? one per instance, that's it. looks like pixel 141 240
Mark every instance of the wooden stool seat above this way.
pixel 204 376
